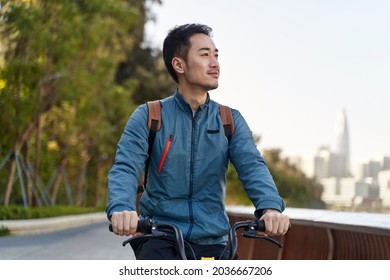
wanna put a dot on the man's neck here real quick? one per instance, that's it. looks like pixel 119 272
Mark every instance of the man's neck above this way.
pixel 194 98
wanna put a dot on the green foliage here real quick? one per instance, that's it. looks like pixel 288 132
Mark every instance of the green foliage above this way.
pixel 294 186
pixel 235 193
pixel 61 106
pixel 150 77
pixel 4 231
pixel 15 212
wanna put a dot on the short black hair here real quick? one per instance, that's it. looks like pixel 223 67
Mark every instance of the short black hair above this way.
pixel 177 43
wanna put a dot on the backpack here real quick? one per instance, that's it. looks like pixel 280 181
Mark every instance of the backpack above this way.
pixel 154 125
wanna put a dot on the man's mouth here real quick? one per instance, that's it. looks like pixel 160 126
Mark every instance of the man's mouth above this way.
pixel 214 74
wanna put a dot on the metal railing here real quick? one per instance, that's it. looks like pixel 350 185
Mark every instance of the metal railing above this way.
pixel 321 235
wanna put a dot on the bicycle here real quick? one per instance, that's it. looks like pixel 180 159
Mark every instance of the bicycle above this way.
pixel 156 230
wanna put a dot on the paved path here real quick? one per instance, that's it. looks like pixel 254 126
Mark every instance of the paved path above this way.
pixel 89 242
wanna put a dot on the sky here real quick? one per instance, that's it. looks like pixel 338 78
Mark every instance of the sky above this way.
pixel 291 67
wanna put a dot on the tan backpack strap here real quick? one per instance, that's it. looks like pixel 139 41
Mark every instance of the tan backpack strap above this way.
pixel 154 125
pixel 227 120
pixel 154 109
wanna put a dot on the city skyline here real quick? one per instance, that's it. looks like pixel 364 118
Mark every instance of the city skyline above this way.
pixel 340 145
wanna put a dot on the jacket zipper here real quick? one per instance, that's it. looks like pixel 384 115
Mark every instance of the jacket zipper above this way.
pixel 191 213
pixel 166 149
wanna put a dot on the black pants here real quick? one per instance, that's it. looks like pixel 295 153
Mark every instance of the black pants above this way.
pixel 165 249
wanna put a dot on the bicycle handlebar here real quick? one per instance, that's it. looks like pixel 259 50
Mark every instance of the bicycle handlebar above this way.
pixel 150 229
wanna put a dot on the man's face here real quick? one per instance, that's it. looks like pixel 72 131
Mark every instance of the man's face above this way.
pixel 201 68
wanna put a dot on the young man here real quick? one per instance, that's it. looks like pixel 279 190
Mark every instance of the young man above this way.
pixel 187 176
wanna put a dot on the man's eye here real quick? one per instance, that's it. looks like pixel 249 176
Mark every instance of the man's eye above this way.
pixel 204 54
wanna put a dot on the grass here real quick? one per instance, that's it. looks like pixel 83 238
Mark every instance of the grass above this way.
pixel 4 231
pixel 16 212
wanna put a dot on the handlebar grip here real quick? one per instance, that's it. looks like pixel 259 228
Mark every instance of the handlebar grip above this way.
pixel 144 226
pixel 260 225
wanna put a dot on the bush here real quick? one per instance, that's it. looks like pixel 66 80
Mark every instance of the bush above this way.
pixel 4 231
pixel 16 212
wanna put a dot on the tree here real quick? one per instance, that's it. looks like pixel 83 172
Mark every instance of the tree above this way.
pixel 59 70
pixel 293 185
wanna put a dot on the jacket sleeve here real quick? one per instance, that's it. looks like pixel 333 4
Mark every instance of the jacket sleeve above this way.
pixel 252 169
pixel 129 162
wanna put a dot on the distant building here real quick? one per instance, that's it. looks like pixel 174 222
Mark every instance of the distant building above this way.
pixel 367 194
pixel 322 162
pixel 334 161
pixel 384 185
pixel 340 156
pixel 385 163
pixel 369 169
pixel 338 191
pixel 378 173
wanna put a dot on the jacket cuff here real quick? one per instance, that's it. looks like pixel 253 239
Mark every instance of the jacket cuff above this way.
pixel 260 212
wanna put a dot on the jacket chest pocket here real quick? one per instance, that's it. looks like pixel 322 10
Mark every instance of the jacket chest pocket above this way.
pixel 164 154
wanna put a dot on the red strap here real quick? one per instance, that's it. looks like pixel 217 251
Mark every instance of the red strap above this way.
pixel 160 166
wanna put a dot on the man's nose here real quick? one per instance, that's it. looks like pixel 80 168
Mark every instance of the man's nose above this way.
pixel 214 62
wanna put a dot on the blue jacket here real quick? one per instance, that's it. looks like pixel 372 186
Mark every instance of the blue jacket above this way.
pixel 187 186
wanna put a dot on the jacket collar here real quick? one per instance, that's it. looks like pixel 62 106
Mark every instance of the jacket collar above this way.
pixel 186 107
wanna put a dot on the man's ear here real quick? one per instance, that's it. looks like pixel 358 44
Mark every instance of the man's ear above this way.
pixel 178 65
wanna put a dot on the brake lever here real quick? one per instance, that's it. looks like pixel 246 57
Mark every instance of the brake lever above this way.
pixel 251 233
pixel 154 234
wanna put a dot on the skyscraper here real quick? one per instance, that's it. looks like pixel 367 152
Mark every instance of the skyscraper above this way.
pixel 334 161
pixel 340 164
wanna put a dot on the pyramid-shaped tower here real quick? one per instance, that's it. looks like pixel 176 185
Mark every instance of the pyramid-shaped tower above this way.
pixel 340 161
